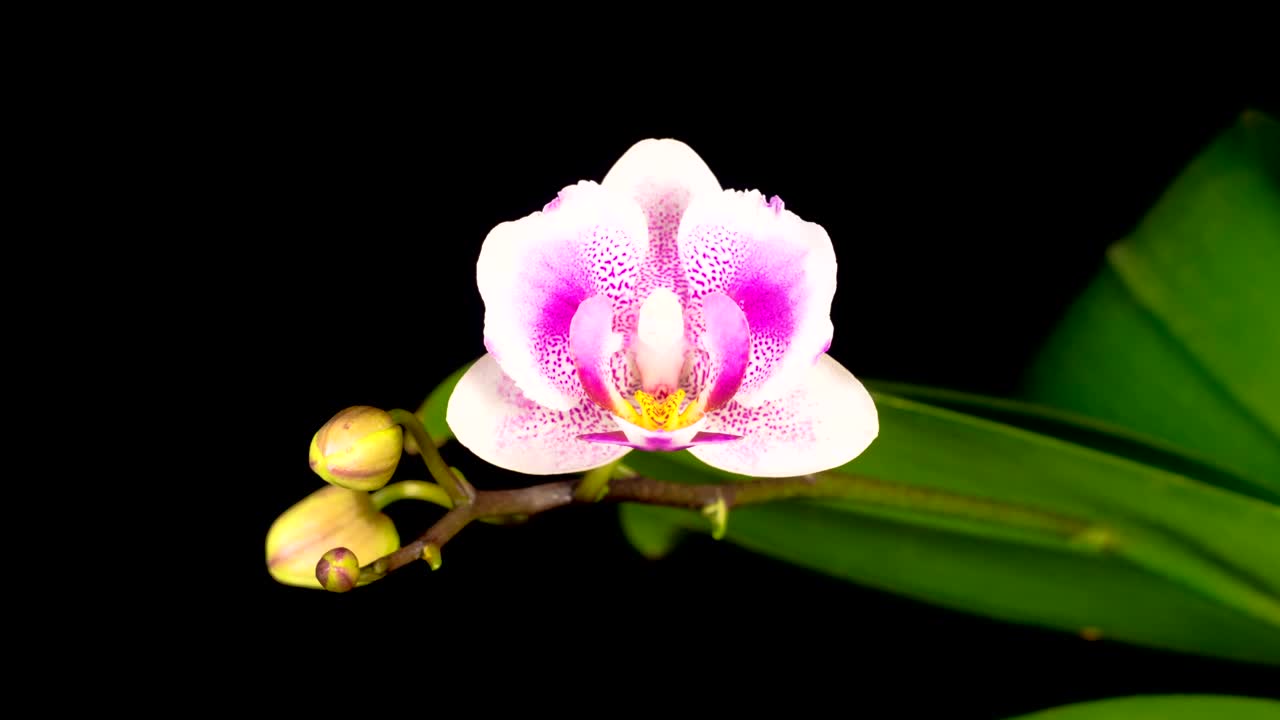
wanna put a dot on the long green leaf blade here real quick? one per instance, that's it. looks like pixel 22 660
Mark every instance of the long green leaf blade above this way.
pixel 1164 707
pixel 1206 262
pixel 988 518
pixel 1179 335
pixel 1084 430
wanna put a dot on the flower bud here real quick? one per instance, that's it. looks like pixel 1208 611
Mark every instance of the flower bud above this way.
pixel 331 517
pixel 338 570
pixel 358 448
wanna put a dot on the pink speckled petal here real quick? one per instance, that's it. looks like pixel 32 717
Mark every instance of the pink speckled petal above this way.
pixel 662 176
pixel 826 421
pixel 491 418
pixel 779 269
pixel 728 344
pixel 533 273
pixel 593 345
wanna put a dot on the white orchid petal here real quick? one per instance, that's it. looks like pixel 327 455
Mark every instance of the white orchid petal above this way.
pixel 653 169
pixel 823 423
pixel 533 273
pixel 491 417
pixel 662 176
pixel 779 269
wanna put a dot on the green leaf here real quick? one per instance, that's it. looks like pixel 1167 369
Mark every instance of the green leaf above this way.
pixel 1179 335
pixel 991 519
pixel 1083 430
pixel 1164 707
pixel 652 530
pixel 432 410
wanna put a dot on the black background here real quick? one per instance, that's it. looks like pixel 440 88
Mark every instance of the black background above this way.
pixel 352 204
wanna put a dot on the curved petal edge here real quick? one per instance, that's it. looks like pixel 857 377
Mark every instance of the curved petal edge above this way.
pixel 826 421
pixel 491 417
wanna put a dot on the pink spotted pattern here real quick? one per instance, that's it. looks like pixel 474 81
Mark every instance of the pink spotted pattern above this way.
pixel 765 276
pixel 698 372
pixel 553 281
pixel 563 289
pixel 622 371
pixel 661 268
pixel 663 210
pixel 528 427
pixel 789 421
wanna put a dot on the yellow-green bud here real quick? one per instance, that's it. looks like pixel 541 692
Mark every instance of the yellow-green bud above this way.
pixel 328 518
pixel 358 448
pixel 338 570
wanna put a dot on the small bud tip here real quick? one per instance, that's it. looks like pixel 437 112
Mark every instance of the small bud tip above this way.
pixel 718 513
pixel 431 554
pixel 338 570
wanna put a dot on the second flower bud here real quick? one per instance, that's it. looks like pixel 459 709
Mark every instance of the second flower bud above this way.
pixel 357 449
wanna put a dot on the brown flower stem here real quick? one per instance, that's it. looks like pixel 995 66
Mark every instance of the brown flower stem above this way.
pixel 439 534
pixel 715 500
pixel 495 505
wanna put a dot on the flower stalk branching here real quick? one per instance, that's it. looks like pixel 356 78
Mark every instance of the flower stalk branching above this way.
pixel 619 484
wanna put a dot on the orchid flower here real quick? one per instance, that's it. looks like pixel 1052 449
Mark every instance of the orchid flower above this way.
pixel 655 311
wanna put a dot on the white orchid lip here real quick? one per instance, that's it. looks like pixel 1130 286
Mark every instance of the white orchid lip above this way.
pixel 656 311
